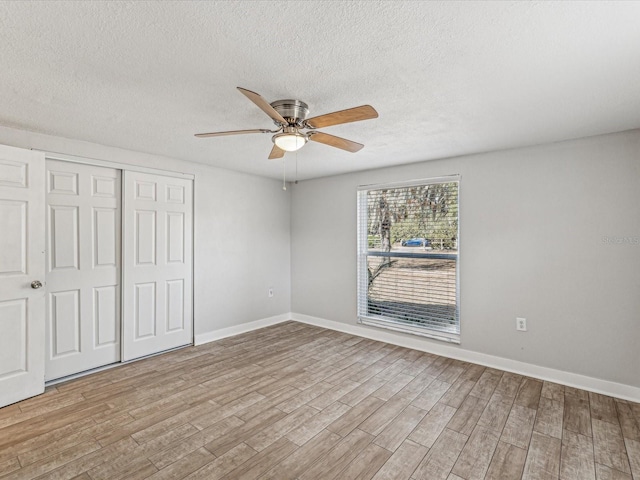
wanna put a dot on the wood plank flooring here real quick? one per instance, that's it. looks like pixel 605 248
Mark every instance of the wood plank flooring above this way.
pixel 299 402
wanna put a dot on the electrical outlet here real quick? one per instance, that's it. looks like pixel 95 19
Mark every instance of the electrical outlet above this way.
pixel 521 324
pixel 270 292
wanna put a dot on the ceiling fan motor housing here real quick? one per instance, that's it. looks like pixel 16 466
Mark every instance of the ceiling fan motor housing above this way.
pixel 293 111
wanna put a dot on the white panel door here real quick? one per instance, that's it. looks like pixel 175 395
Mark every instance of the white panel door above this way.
pixel 22 241
pixel 83 267
pixel 157 259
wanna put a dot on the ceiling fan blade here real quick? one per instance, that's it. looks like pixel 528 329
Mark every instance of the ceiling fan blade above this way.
pixel 263 104
pixel 276 152
pixel 232 132
pixel 363 112
pixel 334 141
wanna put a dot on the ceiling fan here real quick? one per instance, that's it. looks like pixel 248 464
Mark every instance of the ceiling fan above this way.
pixel 290 116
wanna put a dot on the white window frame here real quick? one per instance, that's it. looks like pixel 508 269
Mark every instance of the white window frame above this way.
pixel 362 253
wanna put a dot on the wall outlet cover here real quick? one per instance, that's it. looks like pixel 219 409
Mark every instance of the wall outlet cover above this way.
pixel 521 324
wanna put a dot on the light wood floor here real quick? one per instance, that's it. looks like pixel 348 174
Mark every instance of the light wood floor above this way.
pixel 294 401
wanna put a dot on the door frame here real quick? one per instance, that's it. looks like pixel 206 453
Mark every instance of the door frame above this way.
pixel 116 165
pixel 135 168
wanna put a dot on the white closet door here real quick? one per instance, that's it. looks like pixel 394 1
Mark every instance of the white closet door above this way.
pixel 157 260
pixel 83 267
pixel 22 302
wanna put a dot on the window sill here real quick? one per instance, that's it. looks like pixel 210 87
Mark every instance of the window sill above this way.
pixel 422 332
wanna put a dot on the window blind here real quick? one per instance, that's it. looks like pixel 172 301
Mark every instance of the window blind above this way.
pixel 408 237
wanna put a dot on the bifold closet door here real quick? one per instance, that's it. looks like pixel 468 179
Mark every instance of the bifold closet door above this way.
pixel 83 267
pixel 21 274
pixel 157 264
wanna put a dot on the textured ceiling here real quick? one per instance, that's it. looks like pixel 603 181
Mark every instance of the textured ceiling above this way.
pixel 447 78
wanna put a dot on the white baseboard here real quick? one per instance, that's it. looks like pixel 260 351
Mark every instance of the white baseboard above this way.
pixel 605 387
pixel 238 329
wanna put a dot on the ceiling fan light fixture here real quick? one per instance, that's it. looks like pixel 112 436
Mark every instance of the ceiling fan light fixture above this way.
pixel 290 141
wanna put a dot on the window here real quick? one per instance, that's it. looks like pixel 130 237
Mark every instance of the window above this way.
pixel 408 238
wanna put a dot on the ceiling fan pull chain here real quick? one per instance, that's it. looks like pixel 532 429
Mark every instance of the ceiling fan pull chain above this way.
pixel 284 175
pixel 296 180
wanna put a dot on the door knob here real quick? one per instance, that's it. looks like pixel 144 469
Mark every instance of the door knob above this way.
pixel 36 284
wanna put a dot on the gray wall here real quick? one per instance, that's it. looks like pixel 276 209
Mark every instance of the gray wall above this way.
pixel 532 222
pixel 532 228
pixel 242 249
pixel 241 236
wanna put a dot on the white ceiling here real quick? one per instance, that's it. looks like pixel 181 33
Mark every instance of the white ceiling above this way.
pixel 447 78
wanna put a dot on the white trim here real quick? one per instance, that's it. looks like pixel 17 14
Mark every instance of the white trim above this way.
pixel 193 262
pixel 242 328
pixel 605 387
pixel 118 165
pixel 411 183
